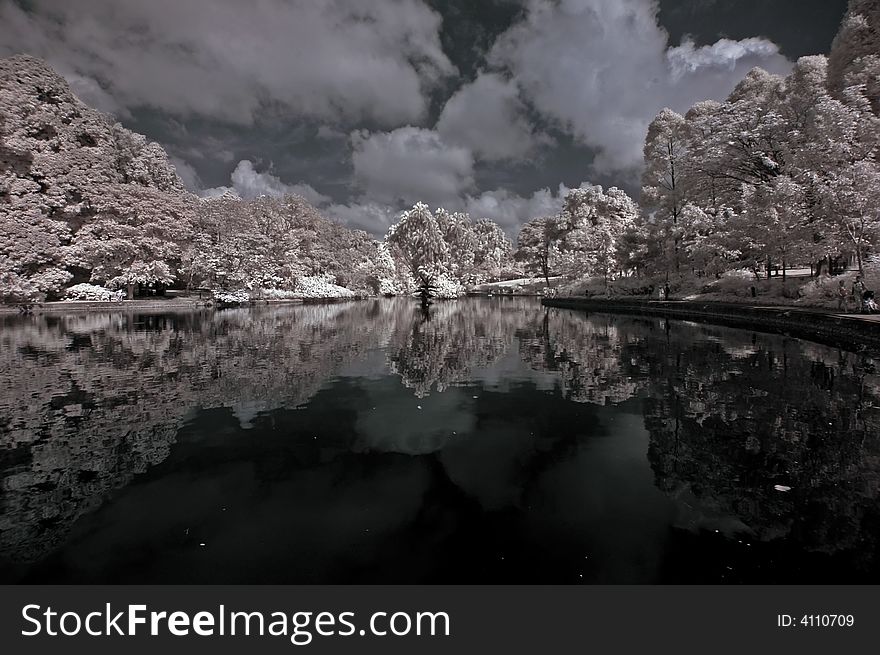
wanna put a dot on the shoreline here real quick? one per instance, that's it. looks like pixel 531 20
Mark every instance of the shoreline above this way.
pixel 857 331
pixel 175 304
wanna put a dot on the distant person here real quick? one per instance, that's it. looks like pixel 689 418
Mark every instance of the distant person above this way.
pixel 666 291
pixel 858 292
pixel 842 297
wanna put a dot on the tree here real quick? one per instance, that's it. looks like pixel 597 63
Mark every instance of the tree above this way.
pixel 272 242
pixel 591 225
pixel 663 194
pixel 69 179
pixel 854 193
pixel 708 239
pixel 457 232
pixel 855 53
pixel 417 241
pixel 744 138
pixel 633 248
pixel 764 159
pixel 492 251
pixel 31 256
pixel 135 236
pixel 774 225
pixel 828 138
pixel 534 246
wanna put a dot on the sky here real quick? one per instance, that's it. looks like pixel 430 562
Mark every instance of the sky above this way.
pixel 495 107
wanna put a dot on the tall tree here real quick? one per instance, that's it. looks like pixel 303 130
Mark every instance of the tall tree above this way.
pixel 492 251
pixel 855 53
pixel 663 190
pixel 592 223
pixel 417 240
pixel 535 246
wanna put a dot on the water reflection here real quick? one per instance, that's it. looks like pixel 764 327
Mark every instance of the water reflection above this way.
pixel 493 441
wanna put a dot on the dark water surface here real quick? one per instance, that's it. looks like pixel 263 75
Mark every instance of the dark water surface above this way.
pixel 495 442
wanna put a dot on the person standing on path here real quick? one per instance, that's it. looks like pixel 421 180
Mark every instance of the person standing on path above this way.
pixel 858 292
pixel 842 297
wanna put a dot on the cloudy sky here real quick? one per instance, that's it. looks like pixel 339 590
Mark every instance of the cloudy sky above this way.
pixel 366 106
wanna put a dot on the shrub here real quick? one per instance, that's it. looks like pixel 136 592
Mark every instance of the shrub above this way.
pixel 823 290
pixel 321 286
pixel 633 286
pixel 738 283
pixel 278 294
pixel 90 292
pixel 446 288
pixel 389 287
pixel 231 297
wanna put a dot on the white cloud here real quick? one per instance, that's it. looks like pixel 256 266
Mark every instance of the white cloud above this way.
pixel 371 217
pixel 510 210
pixel 248 183
pixel 487 116
pixel 226 59
pixel 408 165
pixel 309 192
pixel 724 56
pixel 187 174
pixel 506 208
pixel 603 70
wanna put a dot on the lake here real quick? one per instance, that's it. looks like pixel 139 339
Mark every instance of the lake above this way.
pixel 491 441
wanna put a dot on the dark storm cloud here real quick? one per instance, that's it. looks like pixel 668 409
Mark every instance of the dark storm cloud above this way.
pixel 366 106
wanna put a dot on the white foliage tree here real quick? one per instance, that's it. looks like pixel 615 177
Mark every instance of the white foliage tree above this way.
pixel 418 243
pixel 592 222
pixel 663 188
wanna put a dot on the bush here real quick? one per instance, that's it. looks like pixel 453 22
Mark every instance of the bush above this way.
pixel 278 294
pixel 823 291
pixel 446 288
pixel 736 283
pixel 592 287
pixel 18 290
pixel 231 297
pixel 321 286
pixel 633 286
pixel 388 287
pixel 90 292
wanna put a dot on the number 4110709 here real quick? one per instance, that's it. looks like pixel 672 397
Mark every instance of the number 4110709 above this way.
pixel 815 621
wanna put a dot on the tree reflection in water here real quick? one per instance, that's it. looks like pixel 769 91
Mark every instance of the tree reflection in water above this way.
pixel 522 427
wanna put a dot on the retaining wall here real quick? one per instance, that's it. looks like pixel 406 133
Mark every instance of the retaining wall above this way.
pixel 853 332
